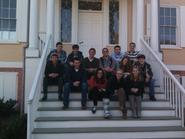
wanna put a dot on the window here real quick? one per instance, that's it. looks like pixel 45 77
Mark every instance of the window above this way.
pixel 114 21
pixel 168 26
pixel 95 5
pixel 7 20
pixel 66 21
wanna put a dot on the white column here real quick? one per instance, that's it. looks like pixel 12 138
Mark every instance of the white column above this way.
pixel 75 22
pixel 50 19
pixel 154 25
pixel 33 33
pixel 123 25
pixel 140 23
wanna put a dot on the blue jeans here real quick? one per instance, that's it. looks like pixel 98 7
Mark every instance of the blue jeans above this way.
pixel 67 89
pixel 150 84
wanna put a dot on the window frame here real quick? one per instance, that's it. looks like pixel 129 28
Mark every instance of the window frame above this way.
pixel 119 20
pixel 71 39
pixel 12 41
pixel 177 28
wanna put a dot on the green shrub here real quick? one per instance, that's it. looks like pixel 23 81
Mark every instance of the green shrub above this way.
pixel 14 128
pixel 12 124
pixel 7 108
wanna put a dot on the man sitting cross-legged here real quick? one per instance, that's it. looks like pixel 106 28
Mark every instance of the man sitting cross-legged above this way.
pixel 53 76
pixel 75 77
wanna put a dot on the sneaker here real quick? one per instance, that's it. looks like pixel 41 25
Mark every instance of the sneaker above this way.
pixel 107 115
pixel 152 98
pixel 60 98
pixel 124 115
pixel 83 107
pixel 93 110
pixel 65 107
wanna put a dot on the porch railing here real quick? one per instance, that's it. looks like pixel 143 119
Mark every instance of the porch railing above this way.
pixel 33 100
pixel 174 92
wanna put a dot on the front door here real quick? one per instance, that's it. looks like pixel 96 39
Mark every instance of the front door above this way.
pixel 90 31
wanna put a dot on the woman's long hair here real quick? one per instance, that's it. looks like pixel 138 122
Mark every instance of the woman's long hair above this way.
pixel 138 78
pixel 102 79
pixel 127 67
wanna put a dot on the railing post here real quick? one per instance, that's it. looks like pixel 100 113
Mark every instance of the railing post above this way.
pixel 182 114
pixel 29 125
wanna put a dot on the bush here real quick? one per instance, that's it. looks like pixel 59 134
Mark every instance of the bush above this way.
pixel 7 108
pixel 12 124
pixel 14 128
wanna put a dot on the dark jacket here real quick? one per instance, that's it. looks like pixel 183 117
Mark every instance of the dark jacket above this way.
pixel 114 84
pixel 71 75
pixel 61 58
pixel 51 68
pixel 90 64
pixel 73 55
pixel 145 68
pixel 134 84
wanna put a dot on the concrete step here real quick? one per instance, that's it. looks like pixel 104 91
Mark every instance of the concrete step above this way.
pixel 77 112
pixel 71 122
pixel 110 133
pixel 77 95
pixel 77 103
pixel 55 88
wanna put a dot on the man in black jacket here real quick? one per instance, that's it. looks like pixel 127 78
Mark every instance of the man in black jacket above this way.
pixel 53 76
pixel 91 63
pixel 147 75
pixel 74 54
pixel 75 77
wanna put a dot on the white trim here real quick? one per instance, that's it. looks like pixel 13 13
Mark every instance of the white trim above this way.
pixel 176 67
pixel 11 64
pixel 57 28
pixel 134 21
pixel 74 30
pixel 105 23
pixel 123 24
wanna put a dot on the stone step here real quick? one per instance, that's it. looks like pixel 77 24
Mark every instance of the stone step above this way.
pixel 77 103
pixel 54 95
pixel 77 112
pixel 75 122
pixel 110 133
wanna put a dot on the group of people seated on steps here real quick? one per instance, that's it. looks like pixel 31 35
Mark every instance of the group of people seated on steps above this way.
pixel 119 76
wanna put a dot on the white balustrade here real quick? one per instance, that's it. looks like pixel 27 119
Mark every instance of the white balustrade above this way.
pixel 174 91
pixel 33 100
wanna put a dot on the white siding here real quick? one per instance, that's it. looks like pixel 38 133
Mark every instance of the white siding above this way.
pixel 182 25
pixel 8 85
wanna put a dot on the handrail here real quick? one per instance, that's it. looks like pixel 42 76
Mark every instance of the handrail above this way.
pixel 164 66
pixel 32 92
pixel 173 90
pixel 34 96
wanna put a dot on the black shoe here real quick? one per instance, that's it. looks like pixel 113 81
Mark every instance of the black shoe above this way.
pixel 93 110
pixel 65 107
pixel 124 115
pixel 152 98
pixel 60 98
pixel 44 98
pixel 83 107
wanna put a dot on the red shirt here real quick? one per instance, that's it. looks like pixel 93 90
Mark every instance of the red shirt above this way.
pixel 92 83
